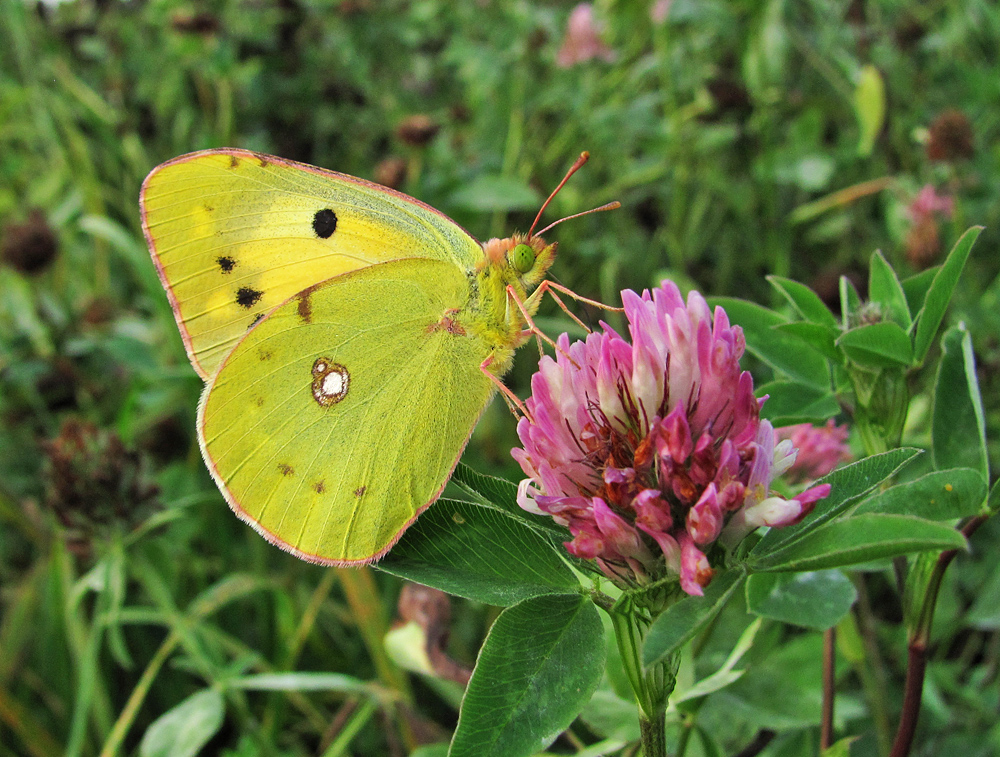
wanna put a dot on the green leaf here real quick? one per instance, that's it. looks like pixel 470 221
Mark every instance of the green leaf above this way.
pixel 492 192
pixel 679 623
pixel 916 287
pixel 789 402
pixel 783 353
pixel 878 345
pixel 184 729
pixel 859 539
pixel 993 504
pixel 958 426
pixel 818 337
pixel 805 301
pixel 501 493
pixel 939 294
pixel 782 690
pixel 840 749
pixel 885 289
pixel 941 495
pixel 847 485
pixel 869 107
pixel 814 599
pixel 430 750
pixel 985 610
pixel 725 675
pixel 299 681
pixel 539 666
pixel 850 302
pixel 479 553
pixel 612 717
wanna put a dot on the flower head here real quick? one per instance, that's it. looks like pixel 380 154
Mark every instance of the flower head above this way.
pixel 583 39
pixel 820 449
pixel 923 243
pixel 651 451
pixel 928 202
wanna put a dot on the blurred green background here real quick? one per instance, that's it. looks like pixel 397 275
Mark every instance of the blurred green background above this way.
pixel 742 138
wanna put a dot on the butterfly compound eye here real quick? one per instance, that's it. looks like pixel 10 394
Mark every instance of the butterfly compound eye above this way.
pixel 523 258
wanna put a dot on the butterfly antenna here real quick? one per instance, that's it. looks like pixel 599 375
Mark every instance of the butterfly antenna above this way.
pixel 584 157
pixel 610 206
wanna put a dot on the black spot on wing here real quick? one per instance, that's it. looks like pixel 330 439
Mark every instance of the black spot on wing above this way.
pixel 247 297
pixel 226 263
pixel 325 223
pixel 286 469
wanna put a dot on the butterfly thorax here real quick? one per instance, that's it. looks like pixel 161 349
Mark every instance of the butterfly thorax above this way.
pixel 492 314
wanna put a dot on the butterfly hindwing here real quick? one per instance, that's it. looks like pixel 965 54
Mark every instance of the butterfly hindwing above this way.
pixel 340 416
pixel 235 233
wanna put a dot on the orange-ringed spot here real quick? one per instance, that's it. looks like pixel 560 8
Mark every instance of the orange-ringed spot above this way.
pixel 330 382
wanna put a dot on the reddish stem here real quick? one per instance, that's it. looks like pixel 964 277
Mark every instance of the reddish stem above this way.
pixel 916 665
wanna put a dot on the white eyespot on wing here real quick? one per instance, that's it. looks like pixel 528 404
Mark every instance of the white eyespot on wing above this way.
pixel 334 383
pixel 330 382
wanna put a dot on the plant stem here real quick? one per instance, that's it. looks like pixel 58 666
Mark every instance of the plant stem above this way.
pixel 829 684
pixel 654 735
pixel 872 669
pixel 917 649
pixel 652 686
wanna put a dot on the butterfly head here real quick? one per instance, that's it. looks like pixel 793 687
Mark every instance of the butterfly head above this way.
pixel 522 259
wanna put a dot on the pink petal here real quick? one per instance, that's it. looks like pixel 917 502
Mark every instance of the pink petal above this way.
pixel 696 573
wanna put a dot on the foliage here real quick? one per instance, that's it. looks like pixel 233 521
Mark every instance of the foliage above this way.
pixel 747 142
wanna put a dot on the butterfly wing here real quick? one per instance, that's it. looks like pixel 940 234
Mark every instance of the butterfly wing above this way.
pixel 235 233
pixel 338 418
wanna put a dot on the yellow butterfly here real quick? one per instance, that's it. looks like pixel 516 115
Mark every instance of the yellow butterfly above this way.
pixel 350 337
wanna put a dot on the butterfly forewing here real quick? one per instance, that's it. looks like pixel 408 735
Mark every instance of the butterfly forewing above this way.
pixel 340 416
pixel 236 233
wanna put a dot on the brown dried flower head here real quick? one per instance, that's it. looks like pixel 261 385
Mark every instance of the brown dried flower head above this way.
pixel 29 247
pixel 951 137
pixel 417 130
pixel 94 481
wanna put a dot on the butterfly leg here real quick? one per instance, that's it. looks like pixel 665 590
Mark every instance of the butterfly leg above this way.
pixel 552 287
pixel 512 400
pixel 532 328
